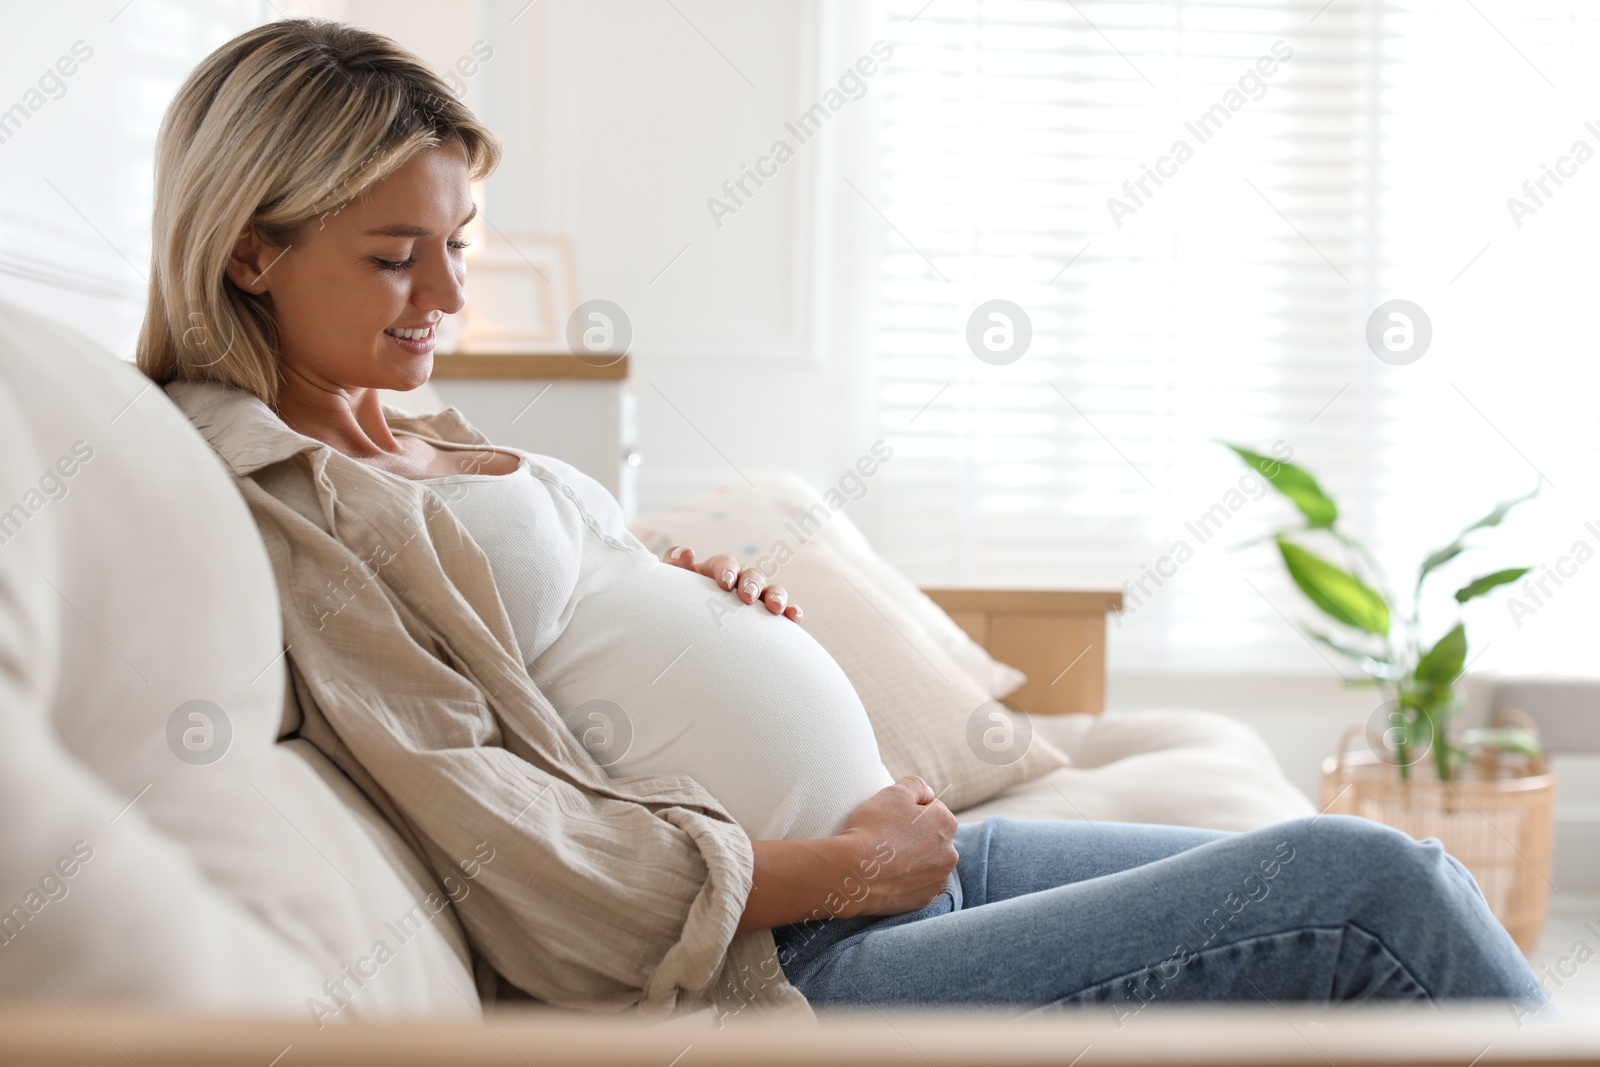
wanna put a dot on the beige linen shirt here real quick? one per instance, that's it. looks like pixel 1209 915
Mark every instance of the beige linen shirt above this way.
pixel 606 894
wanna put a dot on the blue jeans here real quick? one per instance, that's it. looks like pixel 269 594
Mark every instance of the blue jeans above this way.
pixel 1043 913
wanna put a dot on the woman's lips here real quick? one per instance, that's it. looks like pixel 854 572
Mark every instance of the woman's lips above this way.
pixel 418 347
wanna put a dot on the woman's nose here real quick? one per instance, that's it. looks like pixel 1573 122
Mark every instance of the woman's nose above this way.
pixel 443 285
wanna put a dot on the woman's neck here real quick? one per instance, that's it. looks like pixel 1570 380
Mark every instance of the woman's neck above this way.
pixel 349 419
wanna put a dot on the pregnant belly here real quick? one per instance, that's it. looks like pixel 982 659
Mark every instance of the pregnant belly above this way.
pixel 661 672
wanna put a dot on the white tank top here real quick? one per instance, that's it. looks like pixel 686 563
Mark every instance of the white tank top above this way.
pixel 657 669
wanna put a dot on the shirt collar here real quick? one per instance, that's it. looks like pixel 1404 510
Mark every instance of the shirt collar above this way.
pixel 248 435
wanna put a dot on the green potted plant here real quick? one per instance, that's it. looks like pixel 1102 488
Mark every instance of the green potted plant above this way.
pixel 1498 821
pixel 1386 642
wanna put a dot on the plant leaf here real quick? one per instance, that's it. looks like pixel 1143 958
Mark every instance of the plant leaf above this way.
pixel 1456 547
pixel 1296 484
pixel 1440 558
pixel 1336 591
pixel 1348 650
pixel 1506 738
pixel 1442 663
pixel 1375 664
pixel 1479 586
pixel 1495 517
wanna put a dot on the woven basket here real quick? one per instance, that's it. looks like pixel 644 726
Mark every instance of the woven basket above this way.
pixel 1498 819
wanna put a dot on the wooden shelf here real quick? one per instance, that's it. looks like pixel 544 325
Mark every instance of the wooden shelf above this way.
pixel 1057 637
pixel 458 366
pixel 991 598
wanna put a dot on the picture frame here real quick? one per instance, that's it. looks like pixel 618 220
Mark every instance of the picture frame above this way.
pixel 521 289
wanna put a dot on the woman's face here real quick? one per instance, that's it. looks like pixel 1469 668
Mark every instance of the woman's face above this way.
pixel 389 260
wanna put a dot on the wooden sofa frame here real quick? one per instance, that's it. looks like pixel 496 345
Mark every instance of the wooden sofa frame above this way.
pixel 100 1035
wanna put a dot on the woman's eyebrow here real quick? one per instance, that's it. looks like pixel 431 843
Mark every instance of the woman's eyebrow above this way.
pixel 401 229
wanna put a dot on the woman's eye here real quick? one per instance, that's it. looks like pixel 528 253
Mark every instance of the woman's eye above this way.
pixel 411 261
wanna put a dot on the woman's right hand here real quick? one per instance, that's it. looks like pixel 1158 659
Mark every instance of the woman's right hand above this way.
pixel 906 836
pixel 893 856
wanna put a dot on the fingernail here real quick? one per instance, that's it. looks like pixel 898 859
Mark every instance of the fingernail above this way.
pixel 726 578
pixel 750 587
pixel 798 613
pixel 675 553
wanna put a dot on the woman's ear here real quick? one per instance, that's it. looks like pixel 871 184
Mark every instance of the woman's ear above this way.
pixel 246 265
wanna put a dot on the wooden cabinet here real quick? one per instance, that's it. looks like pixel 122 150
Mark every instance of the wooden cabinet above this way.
pixel 1057 637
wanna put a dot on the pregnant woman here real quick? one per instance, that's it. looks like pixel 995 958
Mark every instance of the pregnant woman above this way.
pixel 455 614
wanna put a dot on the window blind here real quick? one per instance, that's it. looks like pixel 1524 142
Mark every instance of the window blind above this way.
pixel 1197 206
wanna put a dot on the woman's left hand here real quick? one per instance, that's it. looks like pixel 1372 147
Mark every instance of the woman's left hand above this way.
pixel 750 582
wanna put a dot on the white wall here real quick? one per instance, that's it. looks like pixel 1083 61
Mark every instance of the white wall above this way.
pixel 620 120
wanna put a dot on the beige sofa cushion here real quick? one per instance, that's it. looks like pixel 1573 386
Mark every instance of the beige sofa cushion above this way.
pixel 216 867
pixel 1175 766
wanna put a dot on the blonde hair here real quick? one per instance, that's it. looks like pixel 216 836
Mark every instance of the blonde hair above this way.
pixel 285 123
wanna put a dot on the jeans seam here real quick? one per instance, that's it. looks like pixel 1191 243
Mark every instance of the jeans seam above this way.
pixel 985 837
pixel 1204 953
pixel 1390 952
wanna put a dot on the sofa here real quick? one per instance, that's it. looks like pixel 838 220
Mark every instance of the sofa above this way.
pixel 181 876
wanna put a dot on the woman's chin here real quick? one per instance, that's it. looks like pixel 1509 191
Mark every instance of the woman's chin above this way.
pixel 404 376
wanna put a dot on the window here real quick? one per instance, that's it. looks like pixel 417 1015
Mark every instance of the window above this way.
pixel 1197 206
pixel 76 190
